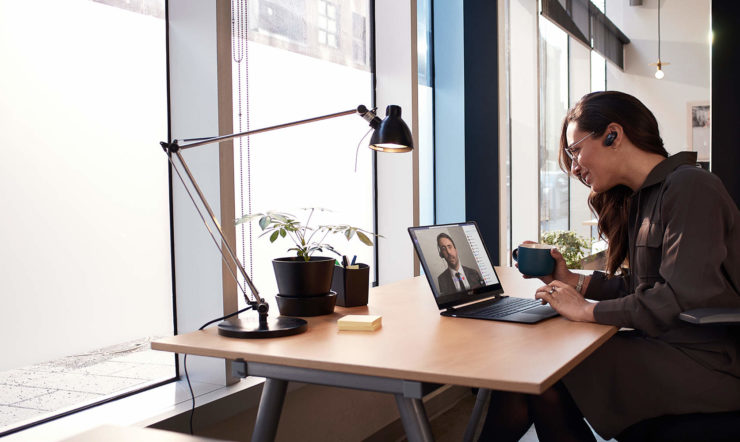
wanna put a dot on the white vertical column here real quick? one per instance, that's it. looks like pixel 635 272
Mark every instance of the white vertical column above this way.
pixel 397 83
pixel 523 52
pixel 194 113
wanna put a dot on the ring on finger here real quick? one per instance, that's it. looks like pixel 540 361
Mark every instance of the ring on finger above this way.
pixel 552 290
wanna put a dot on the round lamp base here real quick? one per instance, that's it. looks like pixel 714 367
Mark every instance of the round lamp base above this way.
pixel 251 328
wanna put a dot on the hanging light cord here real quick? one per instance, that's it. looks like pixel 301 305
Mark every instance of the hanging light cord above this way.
pixel 659 33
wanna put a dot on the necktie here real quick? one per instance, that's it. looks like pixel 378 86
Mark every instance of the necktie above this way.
pixel 459 279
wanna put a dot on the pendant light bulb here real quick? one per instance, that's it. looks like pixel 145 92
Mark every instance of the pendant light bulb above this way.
pixel 659 74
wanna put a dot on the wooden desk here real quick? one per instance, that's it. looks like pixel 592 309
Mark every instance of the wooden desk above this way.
pixel 414 346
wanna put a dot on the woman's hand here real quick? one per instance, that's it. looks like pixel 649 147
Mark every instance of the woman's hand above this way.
pixel 560 272
pixel 566 301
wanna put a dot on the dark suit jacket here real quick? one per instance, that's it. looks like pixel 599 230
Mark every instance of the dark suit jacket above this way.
pixel 447 285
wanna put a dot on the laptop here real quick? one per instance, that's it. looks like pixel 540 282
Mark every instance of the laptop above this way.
pixel 472 289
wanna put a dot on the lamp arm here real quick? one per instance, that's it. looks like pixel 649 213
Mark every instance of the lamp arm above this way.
pixel 361 109
pixel 173 147
pixel 258 301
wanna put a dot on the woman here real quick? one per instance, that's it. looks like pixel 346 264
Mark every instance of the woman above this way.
pixel 674 245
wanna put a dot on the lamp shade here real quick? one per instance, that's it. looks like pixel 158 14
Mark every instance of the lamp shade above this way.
pixel 392 135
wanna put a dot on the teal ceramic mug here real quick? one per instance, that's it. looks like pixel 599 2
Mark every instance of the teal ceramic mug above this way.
pixel 534 259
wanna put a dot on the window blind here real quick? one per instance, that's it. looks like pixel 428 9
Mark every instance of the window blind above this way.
pixel 583 21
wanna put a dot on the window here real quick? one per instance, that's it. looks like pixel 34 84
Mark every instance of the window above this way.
pixel 359 38
pixel 311 165
pixel 598 72
pixel 425 143
pixel 327 24
pixel 283 18
pixel 85 275
pixel 553 106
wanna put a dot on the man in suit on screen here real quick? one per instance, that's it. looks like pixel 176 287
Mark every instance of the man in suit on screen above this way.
pixel 456 277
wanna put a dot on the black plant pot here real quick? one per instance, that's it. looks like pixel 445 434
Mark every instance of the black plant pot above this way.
pixel 296 277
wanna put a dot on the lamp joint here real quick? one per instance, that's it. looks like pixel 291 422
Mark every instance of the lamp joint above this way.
pixel 369 116
pixel 169 147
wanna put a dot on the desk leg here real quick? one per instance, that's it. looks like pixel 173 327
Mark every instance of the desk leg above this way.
pixel 414 419
pixel 268 413
pixel 484 395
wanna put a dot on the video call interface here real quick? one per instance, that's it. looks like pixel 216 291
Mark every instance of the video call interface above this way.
pixel 472 247
pixel 480 255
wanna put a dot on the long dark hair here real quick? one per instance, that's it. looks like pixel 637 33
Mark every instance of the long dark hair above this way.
pixel 593 113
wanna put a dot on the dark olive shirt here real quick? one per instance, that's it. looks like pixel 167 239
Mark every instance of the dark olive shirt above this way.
pixel 684 253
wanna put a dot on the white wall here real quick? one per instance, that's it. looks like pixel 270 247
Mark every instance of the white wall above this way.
pixel 84 237
pixel 685 26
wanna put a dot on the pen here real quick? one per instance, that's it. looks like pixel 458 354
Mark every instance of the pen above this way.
pixel 345 263
pixel 354 258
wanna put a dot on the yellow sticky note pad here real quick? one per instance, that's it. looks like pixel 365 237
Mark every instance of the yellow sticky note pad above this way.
pixel 360 322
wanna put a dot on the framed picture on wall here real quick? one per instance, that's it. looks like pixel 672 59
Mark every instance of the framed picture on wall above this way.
pixel 698 129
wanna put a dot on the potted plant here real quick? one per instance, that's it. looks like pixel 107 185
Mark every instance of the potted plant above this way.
pixel 572 246
pixel 304 274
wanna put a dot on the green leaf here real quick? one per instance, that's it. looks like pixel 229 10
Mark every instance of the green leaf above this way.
pixel 283 233
pixel 274 235
pixel 264 221
pixel 365 240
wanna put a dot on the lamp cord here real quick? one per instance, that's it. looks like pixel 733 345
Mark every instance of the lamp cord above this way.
pixel 185 364
pixel 357 151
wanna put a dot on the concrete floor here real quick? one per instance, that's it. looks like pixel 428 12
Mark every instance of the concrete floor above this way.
pixel 38 391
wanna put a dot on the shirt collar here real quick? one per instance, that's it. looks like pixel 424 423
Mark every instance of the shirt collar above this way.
pixel 665 167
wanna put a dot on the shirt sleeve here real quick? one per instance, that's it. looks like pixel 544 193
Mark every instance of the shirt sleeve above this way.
pixel 601 288
pixel 696 220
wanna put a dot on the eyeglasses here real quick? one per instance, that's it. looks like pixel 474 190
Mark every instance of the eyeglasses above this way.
pixel 569 150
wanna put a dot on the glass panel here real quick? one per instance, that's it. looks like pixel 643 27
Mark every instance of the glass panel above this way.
pixel 598 72
pixel 85 275
pixel 426 112
pixel 580 85
pixel 311 165
pixel 554 105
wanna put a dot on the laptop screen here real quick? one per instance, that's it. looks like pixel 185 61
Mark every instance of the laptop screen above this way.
pixel 456 263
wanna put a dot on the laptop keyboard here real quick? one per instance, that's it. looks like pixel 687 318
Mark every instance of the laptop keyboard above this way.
pixel 503 307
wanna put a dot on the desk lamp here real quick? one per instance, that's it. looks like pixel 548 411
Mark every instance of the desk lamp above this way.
pixel 390 135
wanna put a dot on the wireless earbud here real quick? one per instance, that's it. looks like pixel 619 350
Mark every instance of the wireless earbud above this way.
pixel 610 137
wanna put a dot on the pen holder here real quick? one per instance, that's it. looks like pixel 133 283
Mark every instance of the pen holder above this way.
pixel 351 285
